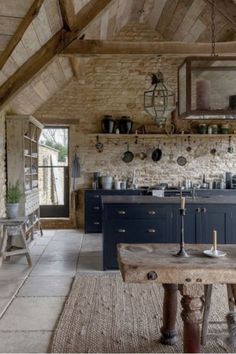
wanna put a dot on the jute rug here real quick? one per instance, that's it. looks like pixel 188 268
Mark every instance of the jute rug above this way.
pixel 105 315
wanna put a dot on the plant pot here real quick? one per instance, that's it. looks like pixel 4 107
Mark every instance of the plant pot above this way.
pixel 12 210
pixel 107 124
pixel 125 125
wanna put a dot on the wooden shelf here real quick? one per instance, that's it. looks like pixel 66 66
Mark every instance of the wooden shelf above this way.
pixel 117 136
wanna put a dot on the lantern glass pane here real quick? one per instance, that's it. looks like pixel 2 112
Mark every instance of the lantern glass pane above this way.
pixel 212 84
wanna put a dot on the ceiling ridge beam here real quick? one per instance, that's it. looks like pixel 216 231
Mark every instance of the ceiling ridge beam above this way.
pixel 17 36
pixel 101 47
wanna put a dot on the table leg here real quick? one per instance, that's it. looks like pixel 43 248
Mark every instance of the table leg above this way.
pixel 169 314
pixel 192 316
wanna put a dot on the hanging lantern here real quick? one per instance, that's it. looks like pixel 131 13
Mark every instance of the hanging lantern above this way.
pixel 159 99
pixel 206 84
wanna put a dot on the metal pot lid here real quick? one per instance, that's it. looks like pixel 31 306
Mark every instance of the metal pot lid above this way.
pixel 181 161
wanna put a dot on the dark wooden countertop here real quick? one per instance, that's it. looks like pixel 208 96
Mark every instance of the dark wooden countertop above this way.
pixel 113 199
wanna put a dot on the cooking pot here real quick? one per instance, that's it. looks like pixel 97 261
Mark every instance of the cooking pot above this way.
pixel 156 154
pixel 128 155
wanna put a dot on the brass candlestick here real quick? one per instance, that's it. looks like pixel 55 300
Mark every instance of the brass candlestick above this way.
pixel 182 252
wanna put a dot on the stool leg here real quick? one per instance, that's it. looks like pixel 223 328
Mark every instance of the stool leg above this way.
pixel 206 311
pixel 4 244
pixel 40 228
pixel 231 298
pixel 27 253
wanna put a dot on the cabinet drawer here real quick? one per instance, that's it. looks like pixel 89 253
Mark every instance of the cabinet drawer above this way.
pixel 137 231
pixel 136 212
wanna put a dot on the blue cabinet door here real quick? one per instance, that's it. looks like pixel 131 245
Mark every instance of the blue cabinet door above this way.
pixel 214 217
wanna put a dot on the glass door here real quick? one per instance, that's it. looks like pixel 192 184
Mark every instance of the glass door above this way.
pixel 53 172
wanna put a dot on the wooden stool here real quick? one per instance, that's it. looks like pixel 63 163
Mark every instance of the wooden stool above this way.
pixel 231 292
pixel 6 249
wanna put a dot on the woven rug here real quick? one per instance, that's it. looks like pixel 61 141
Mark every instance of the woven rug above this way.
pixel 105 315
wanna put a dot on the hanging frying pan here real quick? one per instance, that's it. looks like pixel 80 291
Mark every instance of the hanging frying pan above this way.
pixel 156 155
pixel 128 155
pixel 181 160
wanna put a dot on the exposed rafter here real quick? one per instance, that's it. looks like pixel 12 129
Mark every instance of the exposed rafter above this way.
pixel 97 47
pixel 24 24
pixel 227 9
pixel 47 52
pixel 68 14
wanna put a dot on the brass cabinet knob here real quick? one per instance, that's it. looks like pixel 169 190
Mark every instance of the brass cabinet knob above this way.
pixel 198 210
pixel 151 231
pixel 121 230
pixel 204 210
pixel 96 223
pixel 96 208
pixel 96 196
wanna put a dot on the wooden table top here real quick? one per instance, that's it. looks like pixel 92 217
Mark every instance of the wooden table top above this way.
pixel 141 263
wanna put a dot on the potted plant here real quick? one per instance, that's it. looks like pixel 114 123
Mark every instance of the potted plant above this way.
pixel 13 197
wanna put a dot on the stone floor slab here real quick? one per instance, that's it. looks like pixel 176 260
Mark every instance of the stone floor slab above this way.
pixel 46 286
pixel 25 342
pixel 8 288
pixel 32 313
pixel 89 264
pixel 14 271
pixel 3 304
pixel 55 268
pixel 37 250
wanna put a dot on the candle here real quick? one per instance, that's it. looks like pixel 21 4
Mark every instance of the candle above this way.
pixel 182 203
pixel 214 240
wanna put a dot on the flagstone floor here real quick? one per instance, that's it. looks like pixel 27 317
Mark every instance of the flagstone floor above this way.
pixel 31 299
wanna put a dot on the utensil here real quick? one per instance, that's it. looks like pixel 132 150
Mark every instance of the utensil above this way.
pixel 230 147
pixel 99 145
pixel 128 155
pixel 189 148
pixel 213 151
pixel 156 154
pixel 181 160
pixel 142 155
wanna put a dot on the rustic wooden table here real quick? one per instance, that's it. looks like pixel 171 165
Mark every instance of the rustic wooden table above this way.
pixel 140 263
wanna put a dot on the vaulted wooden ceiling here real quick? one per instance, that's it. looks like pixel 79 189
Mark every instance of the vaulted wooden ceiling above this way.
pixel 41 40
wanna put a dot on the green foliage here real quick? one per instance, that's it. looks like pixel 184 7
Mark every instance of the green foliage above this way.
pixel 14 193
pixel 61 148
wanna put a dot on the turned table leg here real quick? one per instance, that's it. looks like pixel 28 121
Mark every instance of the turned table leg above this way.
pixel 169 314
pixel 192 316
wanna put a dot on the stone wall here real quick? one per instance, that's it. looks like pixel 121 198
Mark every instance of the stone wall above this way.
pixel 2 164
pixel 115 86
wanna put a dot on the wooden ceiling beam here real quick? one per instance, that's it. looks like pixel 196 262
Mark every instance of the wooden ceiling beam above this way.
pixel 226 9
pixel 35 64
pixel 24 24
pixel 68 14
pixel 98 47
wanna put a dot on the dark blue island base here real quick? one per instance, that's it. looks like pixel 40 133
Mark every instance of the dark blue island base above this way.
pixel 147 219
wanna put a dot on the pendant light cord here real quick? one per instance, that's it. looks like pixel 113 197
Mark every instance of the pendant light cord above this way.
pixel 213 36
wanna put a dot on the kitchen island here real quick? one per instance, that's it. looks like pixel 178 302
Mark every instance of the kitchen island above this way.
pixel 148 219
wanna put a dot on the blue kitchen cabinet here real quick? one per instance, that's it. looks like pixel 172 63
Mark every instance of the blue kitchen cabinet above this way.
pixel 93 206
pixel 135 223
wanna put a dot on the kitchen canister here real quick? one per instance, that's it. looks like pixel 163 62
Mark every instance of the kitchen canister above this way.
pixel 107 182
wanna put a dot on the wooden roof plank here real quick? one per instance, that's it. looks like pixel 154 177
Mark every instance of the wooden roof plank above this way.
pixel 54 15
pixel 30 15
pixel 227 9
pixel 8 25
pixel 15 8
pixel 42 27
